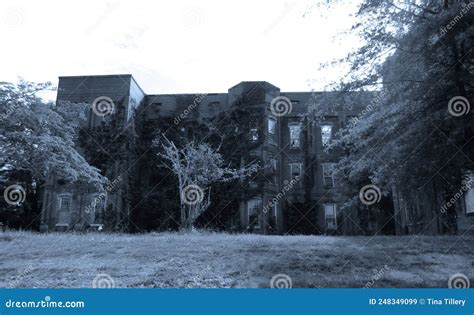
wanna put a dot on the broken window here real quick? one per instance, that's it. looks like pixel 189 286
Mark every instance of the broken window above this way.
pixel 254 207
pixel 326 134
pixel 253 131
pixel 328 175
pixel 296 170
pixel 98 208
pixel 295 135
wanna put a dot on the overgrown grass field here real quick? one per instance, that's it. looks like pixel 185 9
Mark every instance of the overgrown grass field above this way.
pixel 226 260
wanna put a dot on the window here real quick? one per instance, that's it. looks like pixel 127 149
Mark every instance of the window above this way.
pixel 274 216
pixel 328 175
pixel 470 194
pixel 275 213
pixel 98 207
pixel 253 131
pixel 295 132
pixel 64 209
pixel 272 167
pixel 65 203
pixel 273 164
pixel 296 170
pixel 330 216
pixel 271 129
pixel 326 134
pixel 254 207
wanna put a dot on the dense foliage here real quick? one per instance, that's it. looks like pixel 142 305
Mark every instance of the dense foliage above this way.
pixel 36 141
pixel 418 55
pixel 228 134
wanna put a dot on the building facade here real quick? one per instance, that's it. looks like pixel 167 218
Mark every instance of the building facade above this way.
pixel 299 187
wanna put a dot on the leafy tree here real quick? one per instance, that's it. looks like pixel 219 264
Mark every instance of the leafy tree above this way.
pixel 418 132
pixel 230 131
pixel 197 166
pixel 111 146
pixel 37 139
pixel 154 199
pixel 156 205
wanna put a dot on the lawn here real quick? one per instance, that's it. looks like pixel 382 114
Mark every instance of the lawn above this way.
pixel 225 260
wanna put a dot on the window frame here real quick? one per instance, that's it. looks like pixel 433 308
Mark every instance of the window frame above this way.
pixel 469 194
pixel 300 166
pixel 259 204
pixel 275 213
pixel 271 131
pixel 324 174
pixel 333 216
pixel 95 206
pixel 295 142
pixel 273 168
pixel 253 131
pixel 273 163
pixel 63 196
pixel 61 211
pixel 326 140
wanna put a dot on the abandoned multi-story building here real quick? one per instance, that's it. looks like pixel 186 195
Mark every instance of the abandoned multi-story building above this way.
pixel 290 151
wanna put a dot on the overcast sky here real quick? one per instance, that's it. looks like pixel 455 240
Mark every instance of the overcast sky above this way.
pixel 175 46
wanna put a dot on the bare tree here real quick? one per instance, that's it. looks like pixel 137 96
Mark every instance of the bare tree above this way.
pixel 197 166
